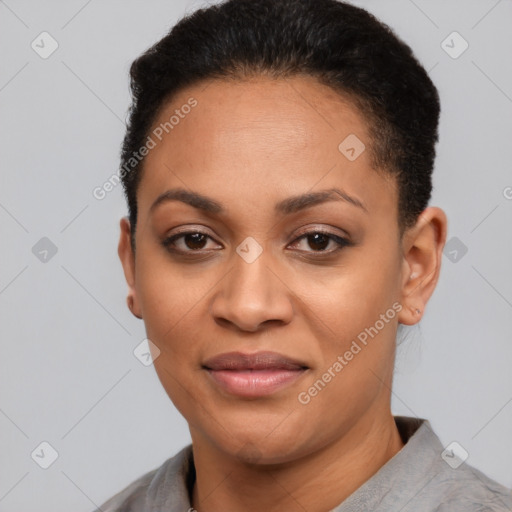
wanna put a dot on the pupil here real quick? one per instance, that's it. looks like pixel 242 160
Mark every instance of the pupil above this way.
pixel 319 240
pixel 195 240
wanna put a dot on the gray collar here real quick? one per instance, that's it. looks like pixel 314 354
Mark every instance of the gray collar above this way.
pixel 416 478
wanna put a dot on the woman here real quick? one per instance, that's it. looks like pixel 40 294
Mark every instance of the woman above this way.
pixel 277 167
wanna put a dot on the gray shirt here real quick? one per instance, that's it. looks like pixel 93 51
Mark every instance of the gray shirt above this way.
pixel 417 479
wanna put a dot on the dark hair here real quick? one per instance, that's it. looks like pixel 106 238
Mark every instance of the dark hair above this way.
pixel 341 45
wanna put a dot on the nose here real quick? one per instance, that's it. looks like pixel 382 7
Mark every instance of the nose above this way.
pixel 252 294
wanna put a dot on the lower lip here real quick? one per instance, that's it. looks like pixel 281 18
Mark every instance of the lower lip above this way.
pixel 254 383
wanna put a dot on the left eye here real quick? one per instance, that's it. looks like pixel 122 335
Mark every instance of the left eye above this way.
pixel 319 240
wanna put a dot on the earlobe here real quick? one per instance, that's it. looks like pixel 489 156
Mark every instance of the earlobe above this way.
pixel 127 257
pixel 130 301
pixel 422 252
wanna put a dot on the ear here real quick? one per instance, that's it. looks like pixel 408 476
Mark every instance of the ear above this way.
pixel 127 257
pixel 422 248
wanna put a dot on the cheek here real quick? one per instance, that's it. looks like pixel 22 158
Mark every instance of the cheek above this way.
pixel 353 315
pixel 168 294
pixel 170 308
pixel 350 298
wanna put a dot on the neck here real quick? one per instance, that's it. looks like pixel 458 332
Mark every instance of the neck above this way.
pixel 338 469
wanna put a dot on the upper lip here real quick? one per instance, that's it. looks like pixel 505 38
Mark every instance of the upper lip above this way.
pixel 256 361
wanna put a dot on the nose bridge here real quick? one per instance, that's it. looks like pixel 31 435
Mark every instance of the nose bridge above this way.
pixel 251 293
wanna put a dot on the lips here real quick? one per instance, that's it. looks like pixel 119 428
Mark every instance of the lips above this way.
pixel 258 361
pixel 253 375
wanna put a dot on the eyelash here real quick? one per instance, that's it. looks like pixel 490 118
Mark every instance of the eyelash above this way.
pixel 342 242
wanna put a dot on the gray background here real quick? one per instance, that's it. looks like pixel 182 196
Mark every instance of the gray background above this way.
pixel 68 375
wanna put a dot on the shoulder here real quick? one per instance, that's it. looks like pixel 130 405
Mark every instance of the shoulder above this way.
pixel 468 489
pixel 131 498
pixel 147 491
pixel 430 477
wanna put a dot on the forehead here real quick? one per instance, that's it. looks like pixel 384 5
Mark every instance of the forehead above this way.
pixel 260 138
pixel 248 115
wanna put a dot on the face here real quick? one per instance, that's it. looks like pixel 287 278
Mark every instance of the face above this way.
pixel 290 263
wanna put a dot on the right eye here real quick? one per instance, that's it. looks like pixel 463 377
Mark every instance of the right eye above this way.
pixel 187 242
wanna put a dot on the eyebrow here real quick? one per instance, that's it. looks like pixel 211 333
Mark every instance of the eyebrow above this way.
pixel 285 207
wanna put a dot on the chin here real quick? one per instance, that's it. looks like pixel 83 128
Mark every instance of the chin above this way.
pixel 261 444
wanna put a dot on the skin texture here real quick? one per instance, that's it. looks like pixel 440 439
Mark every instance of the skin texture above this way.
pixel 248 145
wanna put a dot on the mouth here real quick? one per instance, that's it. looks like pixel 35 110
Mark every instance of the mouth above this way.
pixel 253 375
